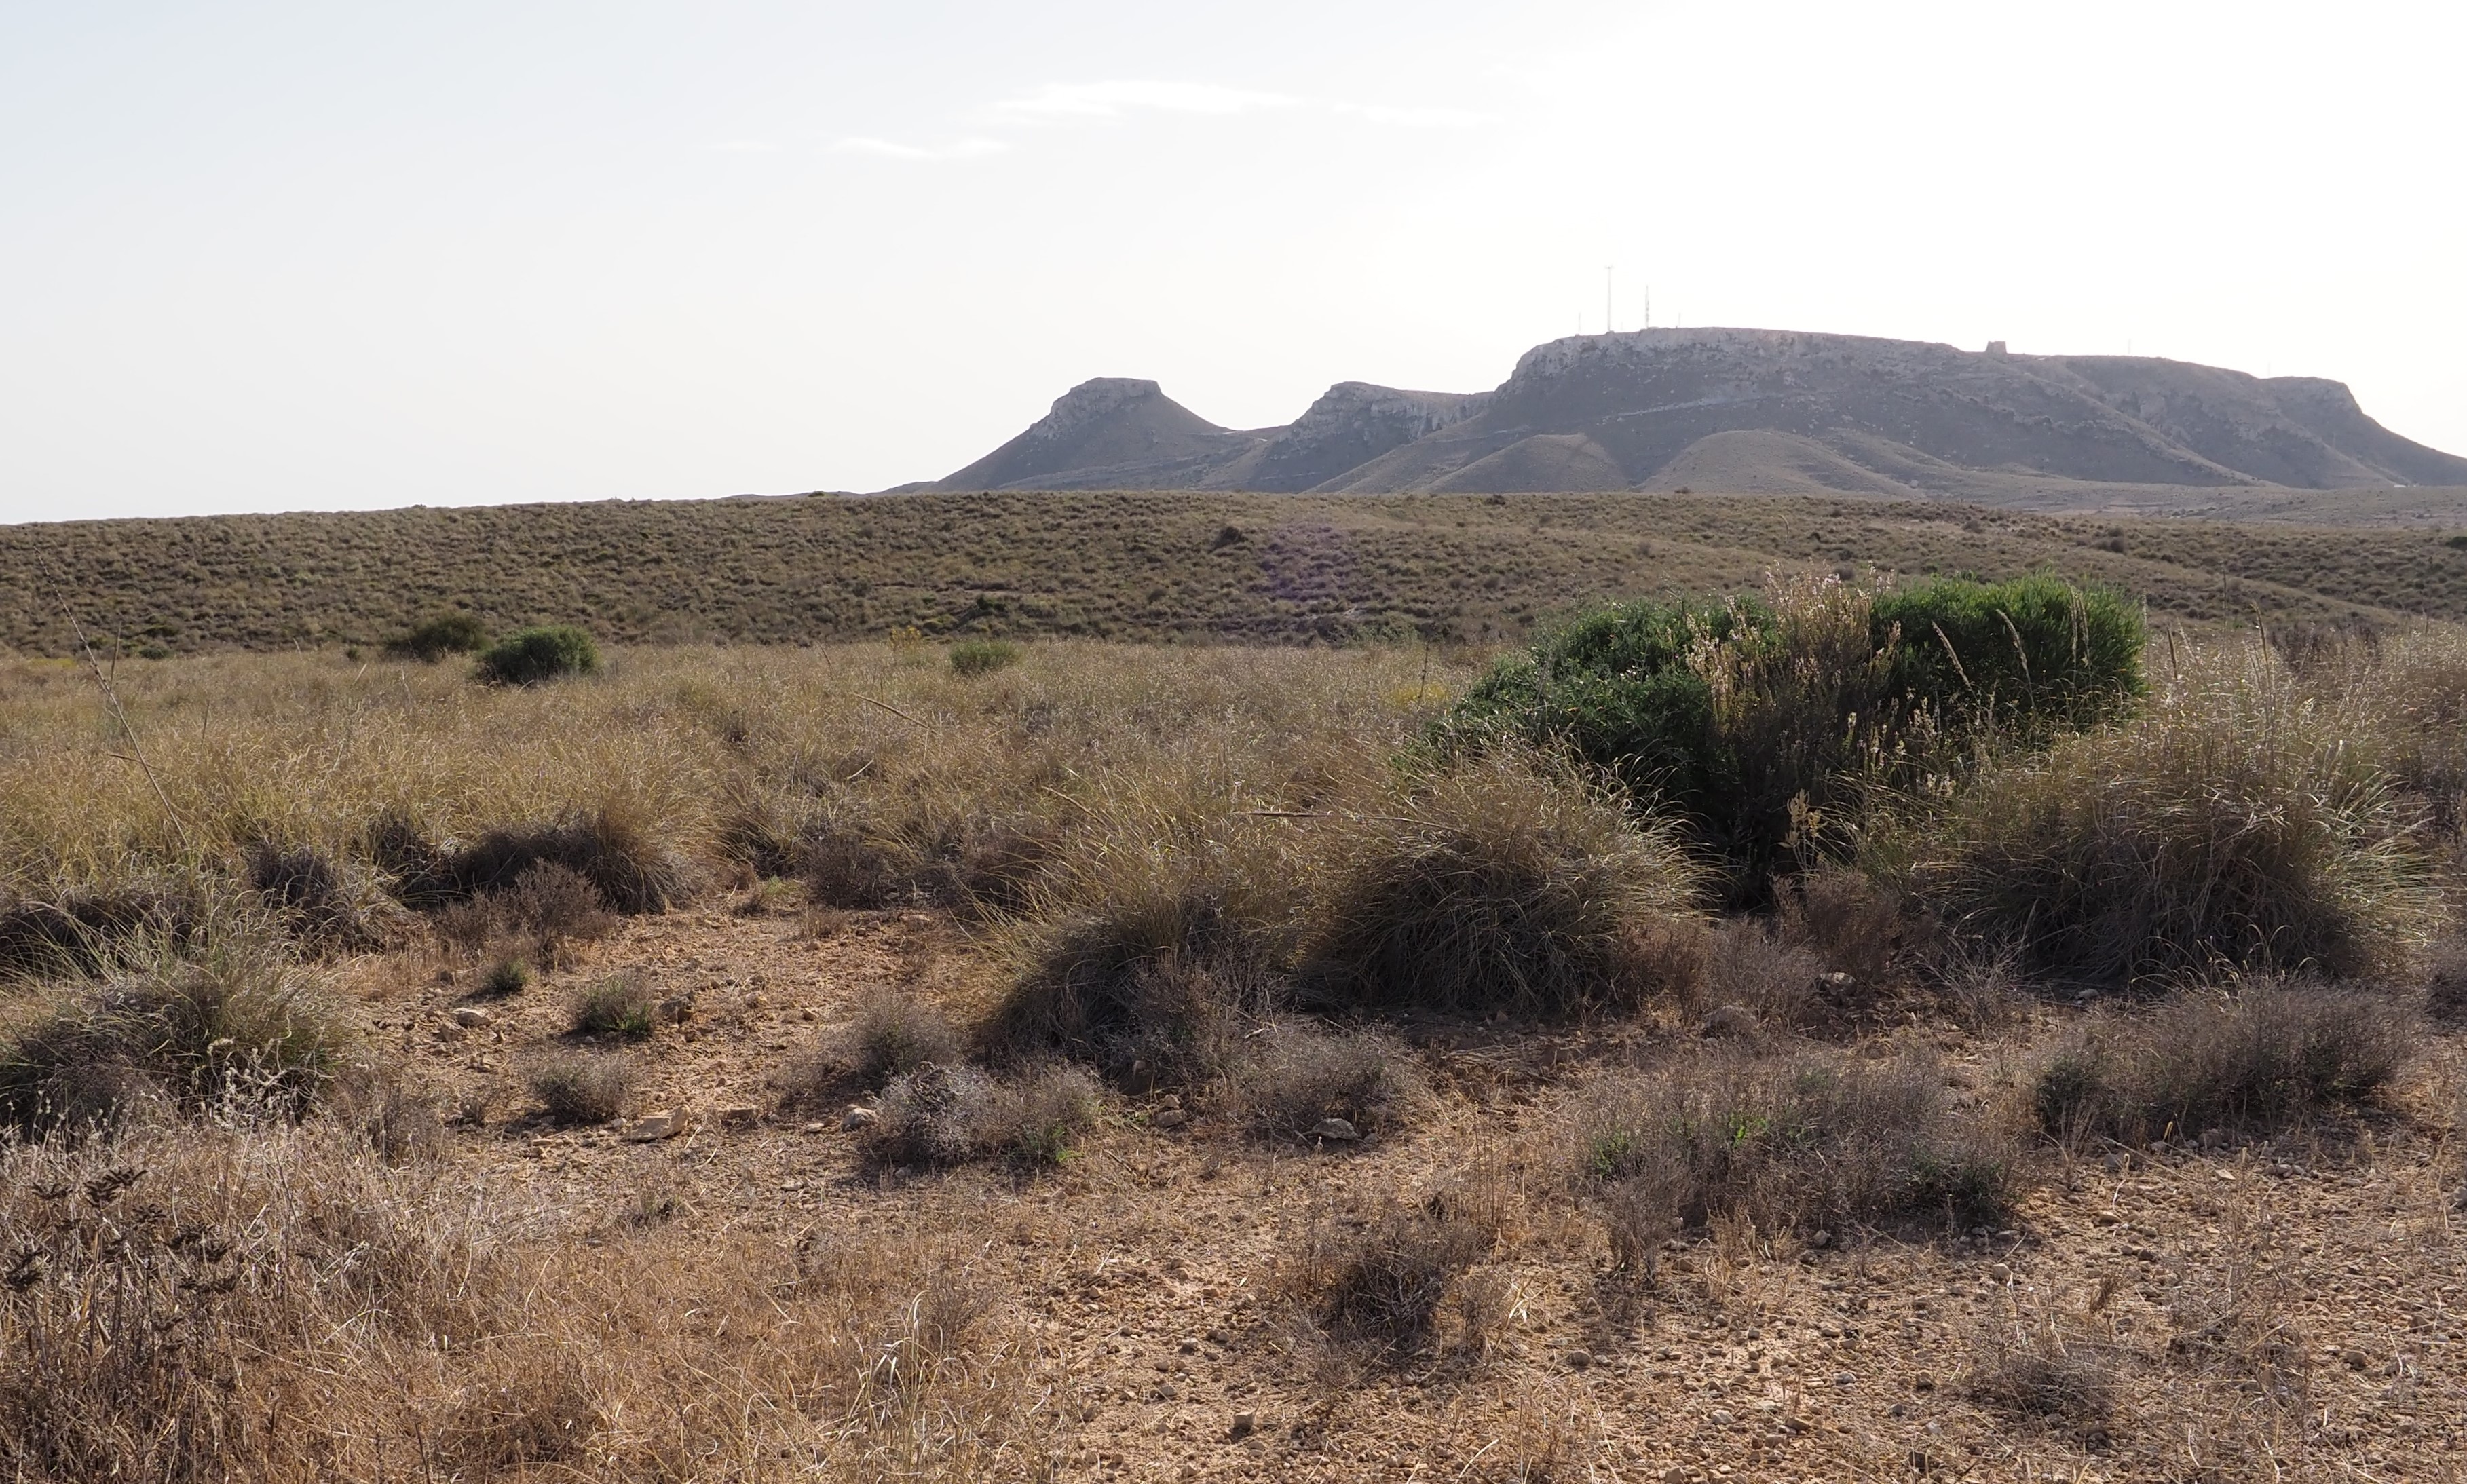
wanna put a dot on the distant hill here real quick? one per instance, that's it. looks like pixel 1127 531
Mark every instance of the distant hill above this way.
pixel 1752 410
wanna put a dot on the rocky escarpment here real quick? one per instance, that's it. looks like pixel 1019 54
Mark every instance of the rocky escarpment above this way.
pixel 1753 409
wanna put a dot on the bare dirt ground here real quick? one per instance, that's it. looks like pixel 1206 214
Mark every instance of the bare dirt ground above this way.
pixel 2294 1310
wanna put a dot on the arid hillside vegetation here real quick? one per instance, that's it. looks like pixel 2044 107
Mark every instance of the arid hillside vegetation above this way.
pixel 1250 569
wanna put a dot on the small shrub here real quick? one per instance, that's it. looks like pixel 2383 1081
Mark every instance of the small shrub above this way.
pixel 2034 655
pixel 584 1086
pixel 1780 983
pixel 2254 1061
pixel 1380 1283
pixel 230 1020
pixel 1502 882
pixel 1852 921
pixel 2036 1368
pixel 982 656
pixel 949 1114
pixel 530 922
pixel 83 929
pixel 1290 1079
pixel 2236 825
pixel 618 1005
pixel 1810 1140
pixel 433 638
pixel 317 901
pixel 895 1034
pixel 506 976
pixel 532 655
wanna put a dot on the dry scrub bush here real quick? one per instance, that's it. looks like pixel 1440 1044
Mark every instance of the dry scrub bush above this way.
pixel 585 1087
pixel 533 919
pixel 1779 981
pixel 948 1114
pixel 1811 1139
pixel 263 1301
pixel 2269 1055
pixel 2237 823
pixel 895 1033
pixel 1289 1078
pixel 2039 1367
pixel 1503 882
pixel 73 929
pixel 321 903
pixel 189 1027
pixel 1379 1282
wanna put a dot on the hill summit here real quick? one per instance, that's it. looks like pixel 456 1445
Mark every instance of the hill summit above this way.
pixel 1749 411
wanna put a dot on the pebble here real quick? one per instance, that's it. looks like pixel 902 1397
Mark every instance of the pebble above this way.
pixel 1336 1131
pixel 472 1017
pixel 738 1115
pixel 813 1128
pixel 1244 1424
pixel 1169 1118
pixel 1578 1360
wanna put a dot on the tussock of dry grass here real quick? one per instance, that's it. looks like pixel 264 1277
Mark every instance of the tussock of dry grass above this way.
pixel 1289 1078
pixel 2239 824
pixel 949 1114
pixel 1505 882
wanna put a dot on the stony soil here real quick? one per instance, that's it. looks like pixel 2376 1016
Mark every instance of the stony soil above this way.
pixel 2290 1311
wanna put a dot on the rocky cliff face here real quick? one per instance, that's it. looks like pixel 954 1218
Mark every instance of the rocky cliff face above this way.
pixel 1624 411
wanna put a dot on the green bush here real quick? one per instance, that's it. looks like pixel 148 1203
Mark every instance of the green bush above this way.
pixel 433 638
pixel 1749 717
pixel 2036 654
pixel 982 656
pixel 540 654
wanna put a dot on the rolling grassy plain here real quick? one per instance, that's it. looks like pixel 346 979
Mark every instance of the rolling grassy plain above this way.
pixel 1250 569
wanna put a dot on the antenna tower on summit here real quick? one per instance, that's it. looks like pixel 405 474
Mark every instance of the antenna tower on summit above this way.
pixel 1607 325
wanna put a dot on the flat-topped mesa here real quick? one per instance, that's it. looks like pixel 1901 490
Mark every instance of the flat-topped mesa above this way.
pixel 1753 409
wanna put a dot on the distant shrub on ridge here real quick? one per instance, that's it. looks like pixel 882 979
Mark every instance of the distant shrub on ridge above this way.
pixel 540 654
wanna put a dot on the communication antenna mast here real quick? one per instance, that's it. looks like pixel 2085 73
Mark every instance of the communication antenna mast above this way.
pixel 1607 325
pixel 1648 306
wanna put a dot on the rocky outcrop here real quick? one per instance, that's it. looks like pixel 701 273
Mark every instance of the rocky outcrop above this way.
pixel 1745 410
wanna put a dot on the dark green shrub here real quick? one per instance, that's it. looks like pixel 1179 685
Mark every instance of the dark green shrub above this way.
pixel 1752 717
pixel 435 638
pixel 2036 654
pixel 540 654
pixel 982 656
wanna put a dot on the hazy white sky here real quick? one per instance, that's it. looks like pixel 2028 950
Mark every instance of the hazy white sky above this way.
pixel 286 256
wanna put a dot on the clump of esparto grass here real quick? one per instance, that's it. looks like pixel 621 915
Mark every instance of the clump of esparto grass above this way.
pixel 1504 882
pixel 1811 1139
pixel 1289 1078
pixel 1852 921
pixel 224 1018
pixel 320 902
pixel 2267 1056
pixel 529 656
pixel 2235 824
pixel 585 1087
pixel 1151 947
pixel 78 929
pixel 617 1005
pixel 953 1114
pixel 1380 1283
pixel 616 853
pixel 982 656
pixel 1779 981
pixel 895 1033
pixel 433 638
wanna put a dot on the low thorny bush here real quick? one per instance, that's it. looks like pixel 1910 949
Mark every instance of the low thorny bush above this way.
pixel 1379 1281
pixel 1808 1139
pixel 943 1115
pixel 2251 1060
pixel 622 1004
pixel 585 1087
pixel 1288 1078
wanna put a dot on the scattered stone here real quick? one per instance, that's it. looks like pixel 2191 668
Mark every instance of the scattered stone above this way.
pixel 1730 1019
pixel 1578 1360
pixel 1723 1419
pixel 738 1115
pixel 1190 1347
pixel 1846 1379
pixel 1244 1424
pixel 2000 1273
pixel 809 1013
pixel 858 1117
pixel 471 1017
pixel 651 1128
pixel 1169 1118
pixel 1336 1131
pixel 813 1128
pixel 1820 1239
